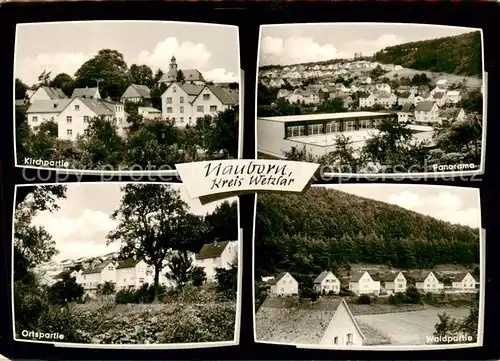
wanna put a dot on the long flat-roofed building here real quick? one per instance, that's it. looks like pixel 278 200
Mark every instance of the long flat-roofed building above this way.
pixel 317 132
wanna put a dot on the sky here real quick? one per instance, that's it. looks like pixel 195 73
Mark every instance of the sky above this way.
pixel 302 43
pixel 80 226
pixel 457 205
pixel 63 47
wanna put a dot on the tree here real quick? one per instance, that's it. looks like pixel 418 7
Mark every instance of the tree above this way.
pixel 20 89
pixel 141 75
pixel 180 269
pixel 110 68
pixel 65 291
pixel 198 276
pixel 149 218
pixel 227 279
pixel 450 327
pixel 220 132
pixel 44 78
pixel 378 71
pixel 64 82
pixel 106 288
pixel 180 77
pixel 223 222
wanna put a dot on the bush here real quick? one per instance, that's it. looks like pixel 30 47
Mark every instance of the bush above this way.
pixel 396 299
pixel 125 296
pixel 107 288
pixel 198 276
pixel 364 300
pixel 413 295
pixel 345 292
pixel 65 291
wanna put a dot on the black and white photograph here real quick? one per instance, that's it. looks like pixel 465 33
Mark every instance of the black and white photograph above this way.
pixel 136 264
pixel 125 96
pixel 370 266
pixel 372 98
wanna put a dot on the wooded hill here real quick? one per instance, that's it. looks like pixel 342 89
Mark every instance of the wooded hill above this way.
pixel 325 228
pixel 459 54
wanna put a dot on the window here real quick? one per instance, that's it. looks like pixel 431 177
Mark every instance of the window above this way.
pixel 69 132
pixel 181 100
pixel 315 129
pixel 282 289
pixel 69 119
pixel 84 277
pixel 199 108
pixel 296 131
pixel 52 118
pixel 206 96
pixel 169 110
pixel 169 100
pixel 77 107
pixel 214 260
pixel 141 280
pixel 336 340
pixel 189 118
pixel 35 119
pixel 86 132
pixel 110 268
pixel 213 108
pixel 174 89
pixel 349 339
pixel 350 126
pixel 86 118
pixel 182 119
pixel 182 109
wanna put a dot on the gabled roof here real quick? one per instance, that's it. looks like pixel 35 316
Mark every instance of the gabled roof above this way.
pixel 454 92
pixel 48 106
pixel 424 106
pixel 420 276
pixel 406 107
pixel 357 276
pixel 84 92
pixel 438 95
pixel 150 109
pixel 322 276
pixel 225 95
pixel 61 275
pixel 212 250
pixel 281 320
pixel 276 279
pixel 450 112
pixel 389 276
pixel 459 277
pixel 128 263
pixel 189 75
pixel 142 90
pixel 54 93
pixel 97 269
pixel 98 106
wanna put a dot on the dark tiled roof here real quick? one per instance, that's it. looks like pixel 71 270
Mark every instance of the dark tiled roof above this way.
pixel 97 269
pixel 212 250
pixel 406 107
pixel 55 93
pixel 142 90
pixel 191 89
pixel 424 106
pixel 321 276
pixel 389 276
pixel 277 278
pixel 189 75
pixel 48 106
pixel 128 263
pixel 84 92
pixel 357 276
pixel 458 277
pixel 438 95
pixel 61 275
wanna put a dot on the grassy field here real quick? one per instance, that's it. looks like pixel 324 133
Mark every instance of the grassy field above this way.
pixel 472 82
pixel 405 328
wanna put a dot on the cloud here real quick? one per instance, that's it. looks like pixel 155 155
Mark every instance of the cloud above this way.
pixel 444 205
pixel 295 50
pixel 189 55
pixel 220 75
pixel 28 69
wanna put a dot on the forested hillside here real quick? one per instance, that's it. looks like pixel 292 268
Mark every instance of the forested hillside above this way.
pixel 459 55
pixel 326 228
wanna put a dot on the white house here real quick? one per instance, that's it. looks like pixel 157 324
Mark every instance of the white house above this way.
pixel 453 96
pixel 386 99
pixel 87 93
pixel 442 83
pixel 184 103
pixel 383 87
pixel 66 264
pixel 405 115
pixel 149 112
pixel 45 110
pixel 136 93
pixel 440 98
pixel 362 283
pixel 428 282
pixel 327 282
pixel 91 278
pixel 463 282
pixel 284 285
pixel 216 255
pixel 366 80
pixel 132 274
pixel 47 93
pixel 394 283
pixel 406 98
pixel 427 112
pixel 283 93
pixel 367 102
pixel 343 329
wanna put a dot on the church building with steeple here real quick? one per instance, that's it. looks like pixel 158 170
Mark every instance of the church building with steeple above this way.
pixel 191 76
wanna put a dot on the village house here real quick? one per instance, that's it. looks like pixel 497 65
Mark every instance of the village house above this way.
pixel 406 113
pixel 132 274
pixel 92 278
pixel 136 93
pixel 329 324
pixel 365 80
pixel 385 99
pixel 442 83
pixel 428 282
pixel 453 96
pixel 87 93
pixel 427 112
pixel 216 255
pixel 452 114
pixel 327 282
pixel 394 283
pixel 406 98
pixel 47 93
pixel 276 83
pixel 149 113
pixel 383 87
pixel 284 285
pixel 367 101
pixel 361 283
pixel 463 282
pixel 42 111
pixel 440 98
pixel 184 103
pixel 191 76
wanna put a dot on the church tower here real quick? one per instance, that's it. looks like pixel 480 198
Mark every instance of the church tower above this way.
pixel 173 65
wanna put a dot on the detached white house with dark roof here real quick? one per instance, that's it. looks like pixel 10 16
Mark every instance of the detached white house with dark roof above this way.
pixel 463 282
pixel 428 282
pixel 394 283
pixel 327 282
pixel 45 110
pixel 132 274
pixel 427 112
pixel 361 283
pixel 284 284
pixel 136 93
pixel 103 272
pixel 216 255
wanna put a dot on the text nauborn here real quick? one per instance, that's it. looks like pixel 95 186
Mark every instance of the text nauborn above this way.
pixel 251 174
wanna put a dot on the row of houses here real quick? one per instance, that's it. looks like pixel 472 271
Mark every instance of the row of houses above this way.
pixel 182 102
pixel 389 283
pixel 132 273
